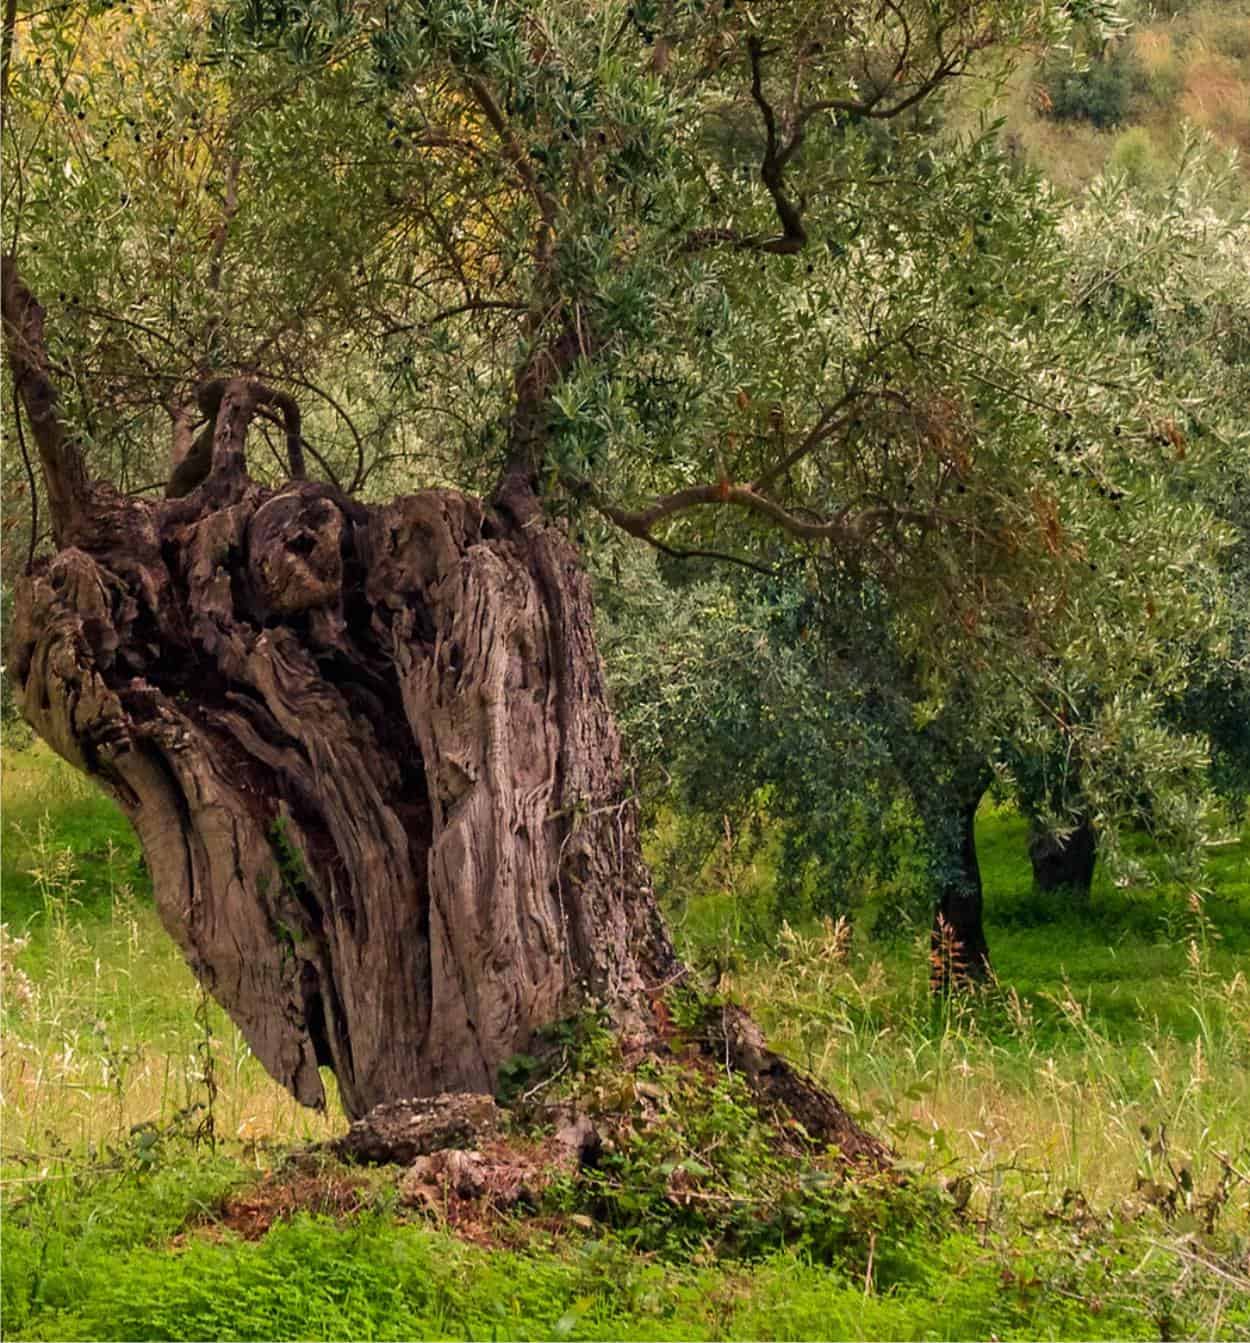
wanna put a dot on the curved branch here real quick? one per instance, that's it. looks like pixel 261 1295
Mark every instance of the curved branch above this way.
pixel 240 400
pixel 640 522
pixel 231 404
pixel 304 444
pixel 777 156
pixel 105 316
pixel 359 473
pixel 474 305
pixel 845 528
pixel 64 472
pixel 793 234
pixel 698 553
pixel 827 424
pixel 30 480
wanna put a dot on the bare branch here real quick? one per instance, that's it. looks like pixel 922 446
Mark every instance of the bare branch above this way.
pixel 304 444
pixel 105 316
pixel 517 157
pixel 230 207
pixel 768 570
pixel 473 305
pixel 845 528
pixel 640 522
pixel 6 54
pixel 359 474
pixel 824 427
pixel 793 234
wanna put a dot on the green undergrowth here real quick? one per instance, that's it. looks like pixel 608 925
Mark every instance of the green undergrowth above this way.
pixel 1073 1140
pixel 134 1255
pixel 685 1164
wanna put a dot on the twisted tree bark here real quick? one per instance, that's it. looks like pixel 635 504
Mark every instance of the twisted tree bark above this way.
pixel 369 755
pixel 370 760
pixel 367 751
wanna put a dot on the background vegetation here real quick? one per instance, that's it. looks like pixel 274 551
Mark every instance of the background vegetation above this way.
pixel 1124 103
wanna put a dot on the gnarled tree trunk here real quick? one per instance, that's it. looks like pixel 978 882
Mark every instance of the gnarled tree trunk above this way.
pixel 370 759
pixel 369 755
pixel 367 750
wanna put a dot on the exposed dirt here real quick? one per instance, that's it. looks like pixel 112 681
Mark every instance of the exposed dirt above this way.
pixel 277 1197
pixel 488 1195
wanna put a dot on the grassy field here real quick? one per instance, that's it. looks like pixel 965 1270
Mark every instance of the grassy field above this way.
pixel 1077 1139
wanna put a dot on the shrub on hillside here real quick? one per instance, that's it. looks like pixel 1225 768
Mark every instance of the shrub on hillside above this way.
pixel 1135 157
pixel 1097 92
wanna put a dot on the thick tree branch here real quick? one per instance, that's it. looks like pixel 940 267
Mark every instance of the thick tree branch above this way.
pixel 64 472
pixel 739 496
pixel 217 461
pixel 641 522
pixel 239 401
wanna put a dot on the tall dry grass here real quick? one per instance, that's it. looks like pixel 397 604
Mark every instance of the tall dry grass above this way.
pixel 1032 1092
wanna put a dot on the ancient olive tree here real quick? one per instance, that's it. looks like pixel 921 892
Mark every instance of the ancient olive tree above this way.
pixel 642 265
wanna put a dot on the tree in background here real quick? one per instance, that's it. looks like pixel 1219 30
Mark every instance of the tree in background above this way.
pixel 1168 274
pixel 806 707
pixel 812 697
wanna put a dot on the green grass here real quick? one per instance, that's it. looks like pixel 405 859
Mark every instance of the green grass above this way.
pixel 1125 955
pixel 373 1277
pixel 1041 1210
pixel 48 809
